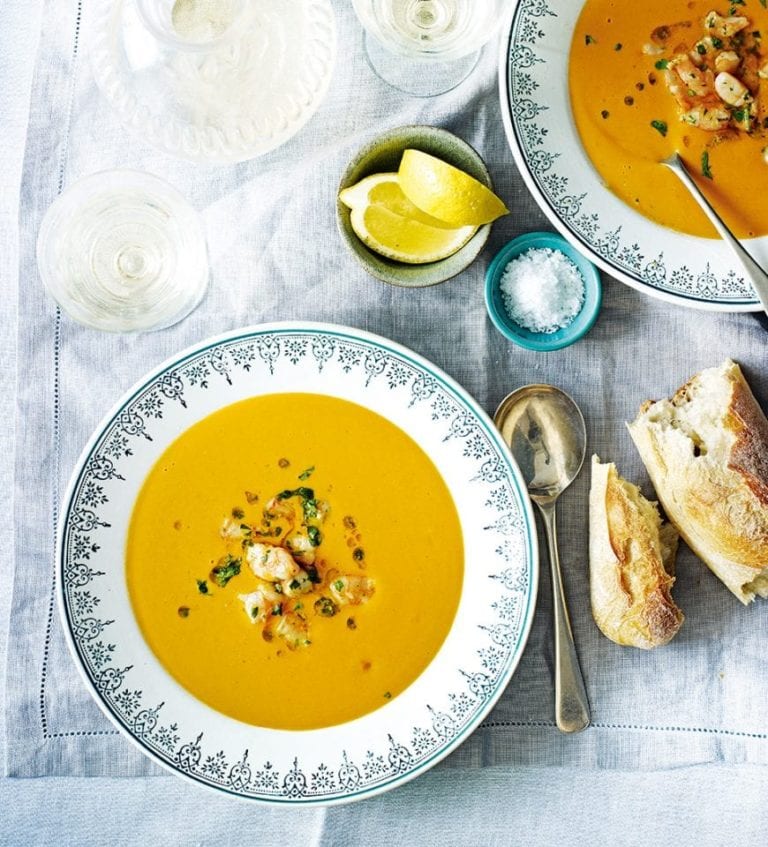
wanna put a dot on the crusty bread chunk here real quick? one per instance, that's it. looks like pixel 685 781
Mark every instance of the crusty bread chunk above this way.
pixel 631 563
pixel 706 451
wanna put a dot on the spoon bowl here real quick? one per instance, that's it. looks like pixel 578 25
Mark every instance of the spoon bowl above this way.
pixel 545 430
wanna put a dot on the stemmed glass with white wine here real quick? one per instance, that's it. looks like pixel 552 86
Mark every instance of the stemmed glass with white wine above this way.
pixel 123 251
pixel 441 38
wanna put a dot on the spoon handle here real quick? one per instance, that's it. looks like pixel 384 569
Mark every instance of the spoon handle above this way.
pixel 571 704
pixel 757 276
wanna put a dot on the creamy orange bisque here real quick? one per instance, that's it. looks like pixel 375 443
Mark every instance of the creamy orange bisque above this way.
pixel 650 78
pixel 295 560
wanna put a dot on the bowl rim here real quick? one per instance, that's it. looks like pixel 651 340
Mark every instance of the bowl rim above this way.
pixel 319 330
pixel 521 116
pixel 470 251
pixel 541 341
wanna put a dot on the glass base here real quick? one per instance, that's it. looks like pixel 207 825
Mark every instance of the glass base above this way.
pixel 122 251
pixel 419 78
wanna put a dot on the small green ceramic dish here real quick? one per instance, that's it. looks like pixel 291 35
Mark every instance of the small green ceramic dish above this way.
pixel 383 155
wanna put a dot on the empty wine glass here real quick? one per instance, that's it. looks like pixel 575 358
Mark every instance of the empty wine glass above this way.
pixel 123 251
pixel 441 38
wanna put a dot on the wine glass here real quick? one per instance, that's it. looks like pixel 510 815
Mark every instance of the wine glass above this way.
pixel 441 38
pixel 123 251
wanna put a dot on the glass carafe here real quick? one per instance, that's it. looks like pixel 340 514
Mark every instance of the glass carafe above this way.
pixel 214 80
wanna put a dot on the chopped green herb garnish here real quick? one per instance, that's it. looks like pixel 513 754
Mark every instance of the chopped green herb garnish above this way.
pixel 662 64
pixel 298 607
pixel 202 586
pixel 277 610
pixel 588 39
pixel 326 607
pixel 701 49
pixel 227 567
pixel 278 587
pixel 254 611
pixel 763 3
pixel 238 514
pixel 740 115
pixel 304 493
pixel 717 43
pixel 314 576
pixel 314 535
pixel 339 585
pixel 268 531
pixel 660 127
pixel 618 47
pixel 294 584
pixel 307 473
pixel 705 169
pixel 307 496
pixel 358 554
pixel 183 611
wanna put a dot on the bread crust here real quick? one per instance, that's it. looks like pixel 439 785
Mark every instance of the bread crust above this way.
pixel 631 555
pixel 749 454
pixel 706 451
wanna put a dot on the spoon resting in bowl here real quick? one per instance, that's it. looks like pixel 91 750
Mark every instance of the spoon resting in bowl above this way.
pixel 756 275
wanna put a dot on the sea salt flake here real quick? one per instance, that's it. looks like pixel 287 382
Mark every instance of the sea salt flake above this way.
pixel 542 290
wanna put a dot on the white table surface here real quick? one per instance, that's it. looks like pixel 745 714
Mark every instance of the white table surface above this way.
pixel 710 804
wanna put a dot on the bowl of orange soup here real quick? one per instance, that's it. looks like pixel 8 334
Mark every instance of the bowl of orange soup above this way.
pixel 313 559
pixel 595 95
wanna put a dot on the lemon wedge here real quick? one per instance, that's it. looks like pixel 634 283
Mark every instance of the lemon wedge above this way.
pixel 447 193
pixel 386 221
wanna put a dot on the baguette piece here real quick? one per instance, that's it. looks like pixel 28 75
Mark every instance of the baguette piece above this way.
pixel 631 563
pixel 706 451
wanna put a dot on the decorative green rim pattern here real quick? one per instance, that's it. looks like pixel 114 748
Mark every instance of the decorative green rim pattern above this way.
pixel 533 84
pixel 379 751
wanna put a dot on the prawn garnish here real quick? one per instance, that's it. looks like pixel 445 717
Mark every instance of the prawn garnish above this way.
pixel 270 563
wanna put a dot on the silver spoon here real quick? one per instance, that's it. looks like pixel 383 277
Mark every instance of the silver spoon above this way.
pixel 757 276
pixel 545 431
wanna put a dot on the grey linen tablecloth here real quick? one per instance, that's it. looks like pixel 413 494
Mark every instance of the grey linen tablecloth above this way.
pixel 275 255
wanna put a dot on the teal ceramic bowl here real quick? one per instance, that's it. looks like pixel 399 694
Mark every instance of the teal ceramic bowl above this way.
pixel 542 341
pixel 383 155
